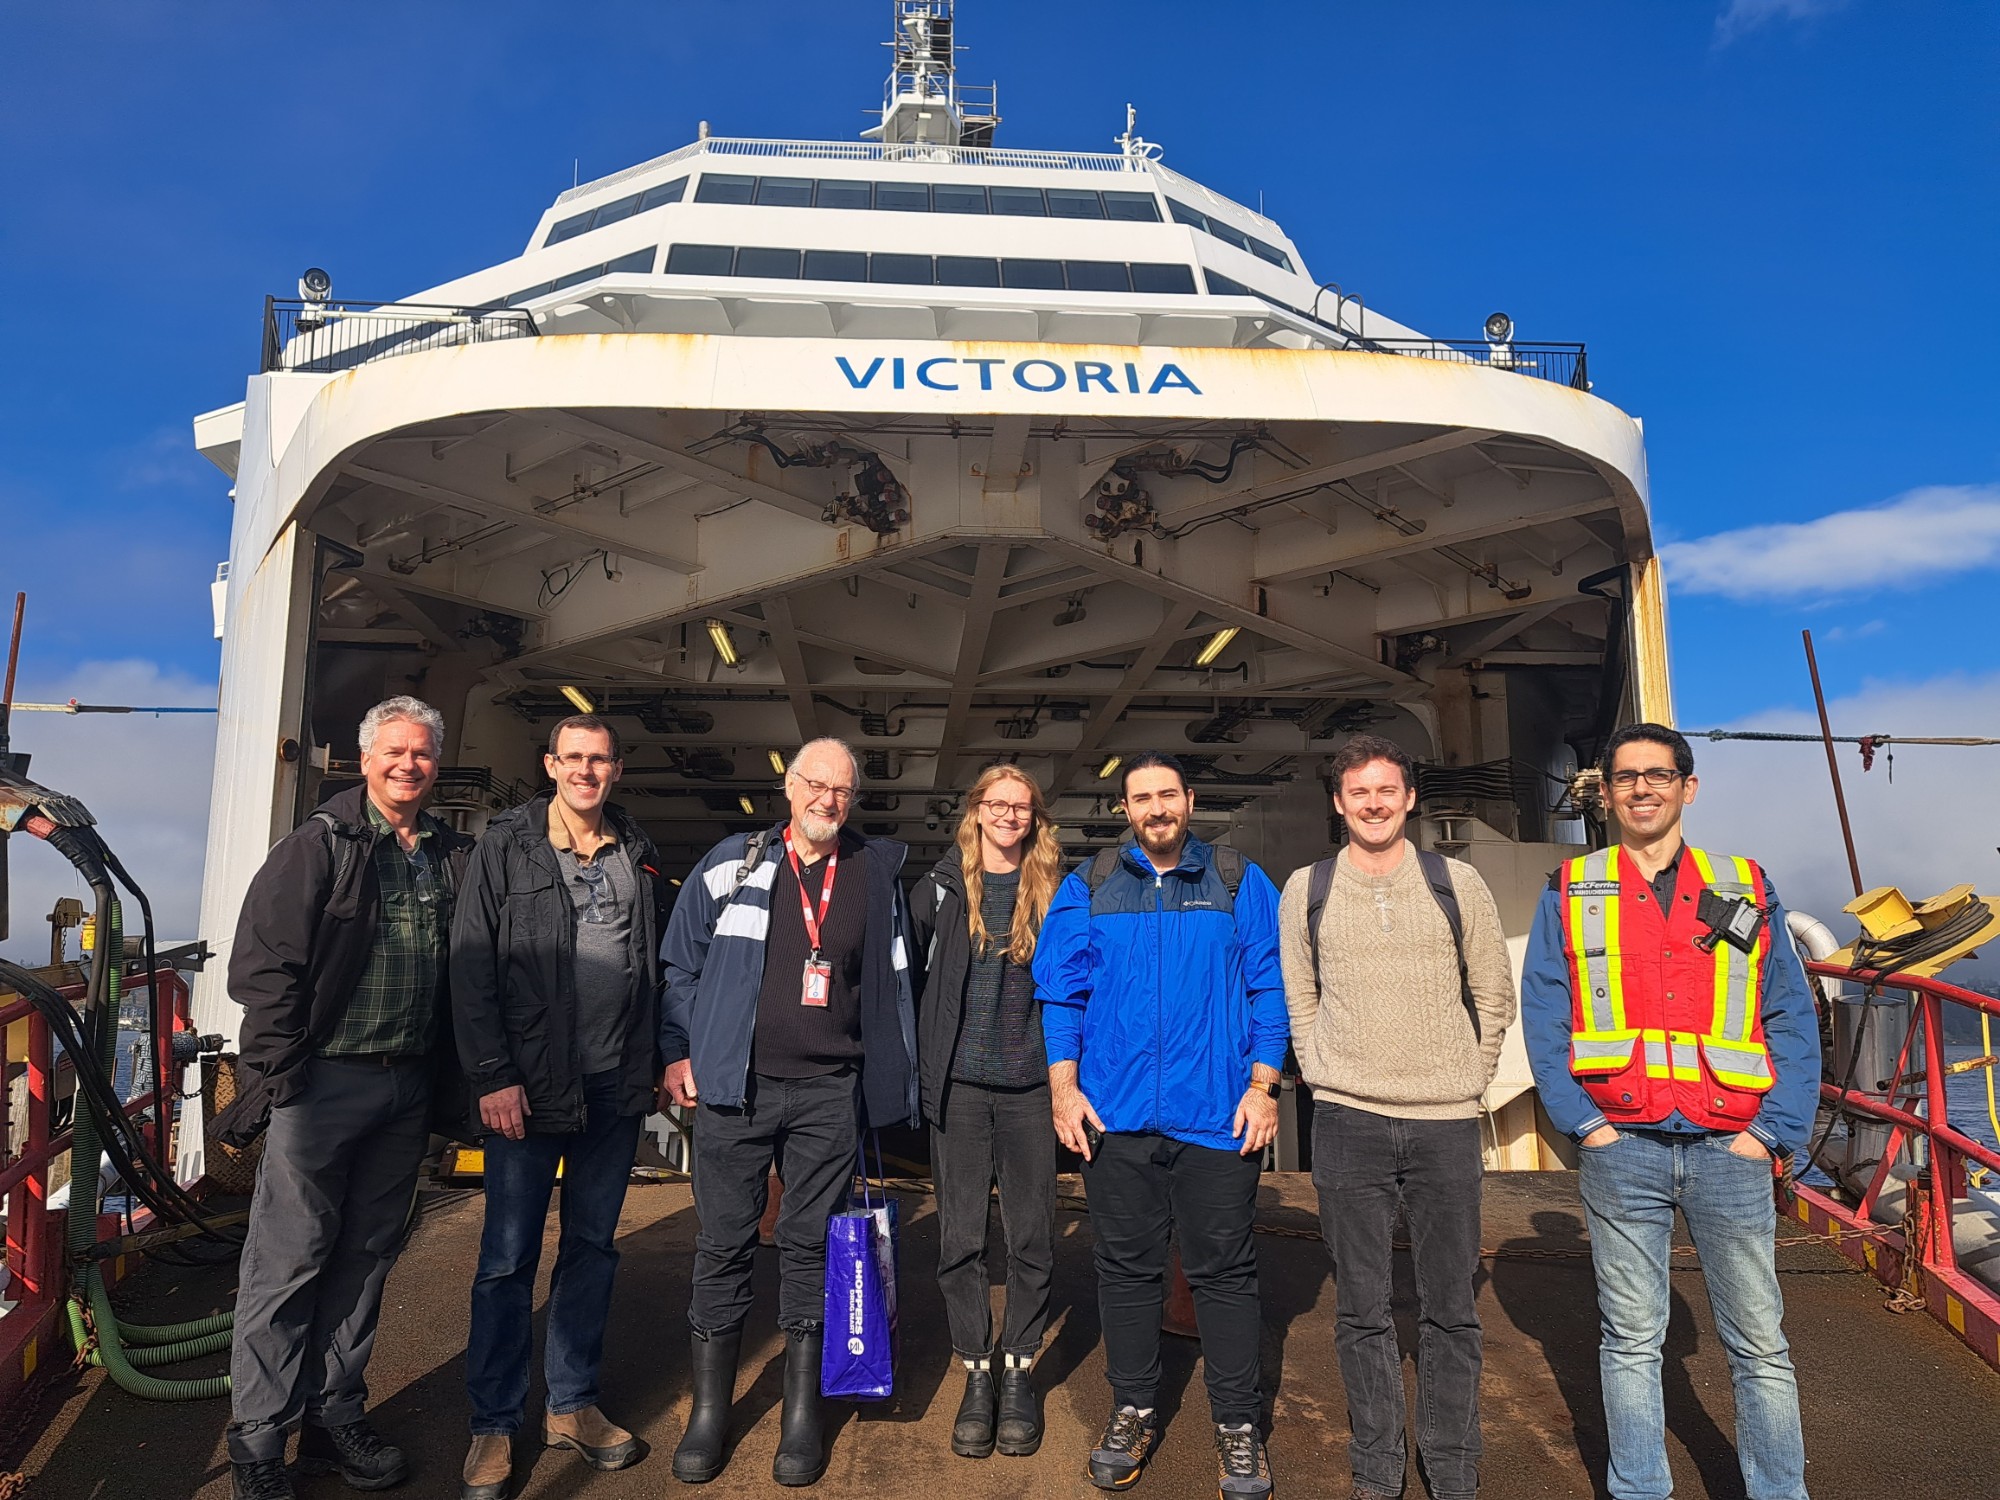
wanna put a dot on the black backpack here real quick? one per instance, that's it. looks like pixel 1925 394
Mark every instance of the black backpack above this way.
pixel 1437 875
pixel 1229 864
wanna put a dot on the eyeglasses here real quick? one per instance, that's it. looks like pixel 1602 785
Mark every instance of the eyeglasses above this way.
pixel 1658 777
pixel 576 760
pixel 842 795
pixel 1016 810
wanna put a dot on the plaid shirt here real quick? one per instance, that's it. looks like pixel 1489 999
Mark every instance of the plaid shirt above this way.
pixel 394 1006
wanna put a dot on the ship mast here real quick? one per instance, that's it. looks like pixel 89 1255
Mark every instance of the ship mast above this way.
pixel 923 103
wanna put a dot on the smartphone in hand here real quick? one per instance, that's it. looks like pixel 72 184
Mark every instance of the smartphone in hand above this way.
pixel 1093 1138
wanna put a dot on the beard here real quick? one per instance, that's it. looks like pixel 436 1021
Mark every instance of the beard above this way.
pixel 820 830
pixel 1161 838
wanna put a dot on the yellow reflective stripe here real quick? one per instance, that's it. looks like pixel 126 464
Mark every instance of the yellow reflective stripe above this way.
pixel 1614 944
pixel 1593 919
pixel 1736 973
pixel 1601 1052
pixel 1753 963
pixel 1743 1065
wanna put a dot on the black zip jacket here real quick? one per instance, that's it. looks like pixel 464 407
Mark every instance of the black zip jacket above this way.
pixel 944 955
pixel 302 940
pixel 513 970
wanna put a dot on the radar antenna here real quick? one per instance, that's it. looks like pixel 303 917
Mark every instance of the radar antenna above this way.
pixel 923 104
pixel 1134 144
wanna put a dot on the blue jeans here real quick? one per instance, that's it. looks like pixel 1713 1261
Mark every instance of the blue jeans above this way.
pixel 1630 1191
pixel 596 1163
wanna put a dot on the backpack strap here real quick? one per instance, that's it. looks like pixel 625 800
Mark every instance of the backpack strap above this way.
pixel 1319 885
pixel 753 855
pixel 1437 875
pixel 343 850
pixel 1100 867
pixel 1229 864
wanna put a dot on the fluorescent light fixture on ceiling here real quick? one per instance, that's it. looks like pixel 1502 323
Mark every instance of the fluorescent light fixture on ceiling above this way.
pixel 749 808
pixel 580 698
pixel 725 647
pixel 777 763
pixel 1215 645
pixel 1111 763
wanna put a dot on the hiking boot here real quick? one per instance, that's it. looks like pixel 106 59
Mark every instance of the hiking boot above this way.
pixel 700 1456
pixel 488 1466
pixel 1243 1468
pixel 1121 1454
pixel 261 1479
pixel 978 1411
pixel 801 1456
pixel 602 1442
pixel 1020 1431
pixel 356 1450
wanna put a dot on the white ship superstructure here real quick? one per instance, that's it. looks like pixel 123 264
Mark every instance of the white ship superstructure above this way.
pixel 956 451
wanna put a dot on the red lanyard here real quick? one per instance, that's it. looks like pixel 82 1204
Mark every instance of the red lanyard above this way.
pixel 825 891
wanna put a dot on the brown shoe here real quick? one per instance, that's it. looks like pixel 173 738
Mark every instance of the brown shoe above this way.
pixel 602 1442
pixel 488 1467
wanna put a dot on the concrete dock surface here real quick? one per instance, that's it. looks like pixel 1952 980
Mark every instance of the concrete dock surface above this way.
pixel 1893 1403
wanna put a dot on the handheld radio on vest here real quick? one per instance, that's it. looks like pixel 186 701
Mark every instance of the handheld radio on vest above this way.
pixel 1729 919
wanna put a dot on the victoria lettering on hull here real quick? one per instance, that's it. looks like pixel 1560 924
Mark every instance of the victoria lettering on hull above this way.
pixel 948 372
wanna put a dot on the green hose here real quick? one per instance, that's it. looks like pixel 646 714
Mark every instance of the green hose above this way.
pixel 161 1344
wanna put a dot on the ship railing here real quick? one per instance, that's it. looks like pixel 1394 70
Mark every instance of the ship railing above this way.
pixel 35 1108
pixel 1925 1161
pixel 1565 364
pixel 324 338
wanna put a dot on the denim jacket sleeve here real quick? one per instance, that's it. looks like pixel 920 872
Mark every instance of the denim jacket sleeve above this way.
pixel 1791 1031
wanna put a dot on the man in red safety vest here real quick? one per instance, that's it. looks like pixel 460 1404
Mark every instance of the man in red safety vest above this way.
pixel 1672 1035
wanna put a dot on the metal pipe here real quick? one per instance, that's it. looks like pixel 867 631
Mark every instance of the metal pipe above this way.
pixel 13 661
pixel 1833 766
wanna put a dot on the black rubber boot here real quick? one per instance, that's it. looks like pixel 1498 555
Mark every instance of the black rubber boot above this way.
pixel 700 1456
pixel 978 1410
pixel 801 1455
pixel 1020 1427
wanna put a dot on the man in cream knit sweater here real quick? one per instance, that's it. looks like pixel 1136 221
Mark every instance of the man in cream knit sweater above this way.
pixel 1397 1023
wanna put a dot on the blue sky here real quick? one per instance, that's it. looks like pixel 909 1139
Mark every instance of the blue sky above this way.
pixel 1771 220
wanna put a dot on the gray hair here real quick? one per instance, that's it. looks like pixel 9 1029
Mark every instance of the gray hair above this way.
pixel 826 742
pixel 413 710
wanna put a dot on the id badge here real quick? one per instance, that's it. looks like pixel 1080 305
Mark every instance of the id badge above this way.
pixel 818 983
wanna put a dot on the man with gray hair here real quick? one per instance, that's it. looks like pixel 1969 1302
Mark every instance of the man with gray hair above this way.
pixel 339 965
pixel 786 1023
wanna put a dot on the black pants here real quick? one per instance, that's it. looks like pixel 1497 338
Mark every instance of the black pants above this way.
pixel 989 1135
pixel 339 1173
pixel 806 1127
pixel 1363 1166
pixel 1142 1188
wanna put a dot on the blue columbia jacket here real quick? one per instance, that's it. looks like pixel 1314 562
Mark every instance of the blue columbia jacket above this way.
pixel 1164 992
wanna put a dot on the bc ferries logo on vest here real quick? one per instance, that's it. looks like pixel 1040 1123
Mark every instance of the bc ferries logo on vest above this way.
pixel 948 372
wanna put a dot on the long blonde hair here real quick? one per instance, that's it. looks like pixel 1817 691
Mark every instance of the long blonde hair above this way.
pixel 1041 866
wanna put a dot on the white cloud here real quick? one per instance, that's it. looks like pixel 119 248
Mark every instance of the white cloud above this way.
pixel 1743 16
pixel 1934 826
pixel 144 777
pixel 1924 534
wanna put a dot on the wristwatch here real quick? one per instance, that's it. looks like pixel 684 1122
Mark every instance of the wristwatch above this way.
pixel 1275 1088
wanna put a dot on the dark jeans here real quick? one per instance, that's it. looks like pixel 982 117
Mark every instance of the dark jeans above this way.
pixel 1142 1188
pixel 989 1135
pixel 806 1127
pixel 1364 1165
pixel 596 1164
pixel 339 1173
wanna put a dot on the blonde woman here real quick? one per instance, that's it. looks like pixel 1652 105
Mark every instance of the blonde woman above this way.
pixel 985 1084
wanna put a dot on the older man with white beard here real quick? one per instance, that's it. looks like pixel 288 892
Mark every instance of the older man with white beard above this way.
pixel 787 1023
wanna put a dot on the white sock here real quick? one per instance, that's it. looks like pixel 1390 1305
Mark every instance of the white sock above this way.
pixel 977 1362
pixel 1020 1361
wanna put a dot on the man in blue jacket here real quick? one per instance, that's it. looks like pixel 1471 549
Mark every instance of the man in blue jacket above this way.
pixel 786 1022
pixel 1163 1009
pixel 1673 1038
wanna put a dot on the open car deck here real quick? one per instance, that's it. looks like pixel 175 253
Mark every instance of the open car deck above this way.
pixel 1893 1404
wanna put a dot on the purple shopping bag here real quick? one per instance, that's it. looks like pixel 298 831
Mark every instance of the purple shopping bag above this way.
pixel 858 1358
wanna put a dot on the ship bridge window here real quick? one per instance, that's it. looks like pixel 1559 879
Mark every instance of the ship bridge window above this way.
pixel 1020 202
pixel 1229 234
pixel 1098 276
pixel 836 265
pixel 1037 275
pixel 909 197
pixel 1222 286
pixel 665 193
pixel 956 198
pixel 720 187
pixel 638 260
pixel 762 260
pixel 967 270
pixel 611 213
pixel 785 192
pixel 839 192
pixel 910 270
pixel 1134 207
pixel 1075 203
pixel 1162 278
pixel 699 260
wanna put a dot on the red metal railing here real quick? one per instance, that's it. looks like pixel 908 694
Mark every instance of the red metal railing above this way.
pixel 35 1258
pixel 1915 1254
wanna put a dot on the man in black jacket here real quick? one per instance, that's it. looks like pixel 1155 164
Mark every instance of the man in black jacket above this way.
pixel 339 964
pixel 555 976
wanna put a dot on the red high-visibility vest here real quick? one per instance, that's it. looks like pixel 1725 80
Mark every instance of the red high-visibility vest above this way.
pixel 1657 1025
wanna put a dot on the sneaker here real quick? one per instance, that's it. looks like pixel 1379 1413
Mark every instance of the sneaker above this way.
pixel 261 1479
pixel 356 1451
pixel 1121 1454
pixel 1242 1465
